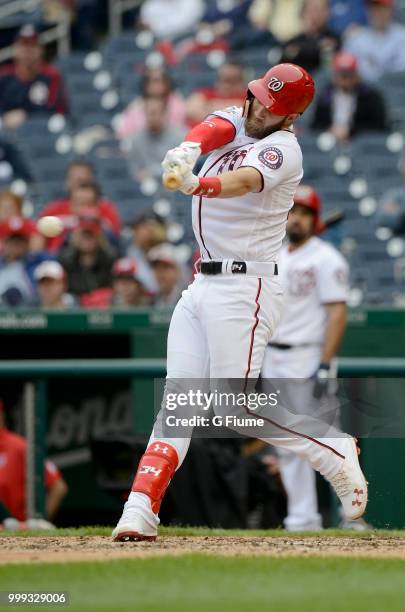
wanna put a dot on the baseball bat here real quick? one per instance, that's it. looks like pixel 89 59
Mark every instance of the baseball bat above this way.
pixel 172 180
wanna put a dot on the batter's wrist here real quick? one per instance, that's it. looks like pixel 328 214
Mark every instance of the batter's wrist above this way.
pixel 209 187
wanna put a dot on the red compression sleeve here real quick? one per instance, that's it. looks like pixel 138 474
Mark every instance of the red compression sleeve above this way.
pixel 212 133
pixel 210 187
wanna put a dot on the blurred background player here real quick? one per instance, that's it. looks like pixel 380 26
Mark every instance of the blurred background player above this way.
pixel 315 279
pixel 13 449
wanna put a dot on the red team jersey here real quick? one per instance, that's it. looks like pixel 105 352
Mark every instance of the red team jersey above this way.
pixel 12 473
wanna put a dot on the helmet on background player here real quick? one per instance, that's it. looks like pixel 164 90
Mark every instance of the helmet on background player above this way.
pixel 285 89
pixel 308 197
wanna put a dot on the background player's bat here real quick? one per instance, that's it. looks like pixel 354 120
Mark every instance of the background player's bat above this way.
pixel 333 217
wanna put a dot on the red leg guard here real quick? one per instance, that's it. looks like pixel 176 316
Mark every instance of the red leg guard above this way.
pixel 155 471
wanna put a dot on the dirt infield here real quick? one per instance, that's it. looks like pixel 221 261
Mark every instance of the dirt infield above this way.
pixel 101 548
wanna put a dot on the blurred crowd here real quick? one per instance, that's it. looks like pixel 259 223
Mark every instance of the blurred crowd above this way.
pixel 97 262
pixel 91 263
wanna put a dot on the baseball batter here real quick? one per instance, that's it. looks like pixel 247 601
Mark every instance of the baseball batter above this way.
pixel 314 276
pixel 224 321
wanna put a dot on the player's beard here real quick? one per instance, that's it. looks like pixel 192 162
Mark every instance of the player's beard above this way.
pixel 254 129
pixel 297 236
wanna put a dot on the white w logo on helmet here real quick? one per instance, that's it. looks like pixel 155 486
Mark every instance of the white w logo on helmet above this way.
pixel 275 84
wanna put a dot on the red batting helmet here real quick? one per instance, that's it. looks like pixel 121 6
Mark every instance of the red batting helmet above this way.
pixel 285 89
pixel 307 196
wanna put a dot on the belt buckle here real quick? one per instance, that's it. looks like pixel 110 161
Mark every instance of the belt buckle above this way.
pixel 238 267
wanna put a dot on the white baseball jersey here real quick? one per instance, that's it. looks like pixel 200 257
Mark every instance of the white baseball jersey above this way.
pixel 249 227
pixel 312 275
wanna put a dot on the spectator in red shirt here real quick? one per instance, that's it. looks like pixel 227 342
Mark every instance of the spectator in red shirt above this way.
pixel 230 90
pixel 127 290
pixel 29 86
pixel 82 190
pixel 13 450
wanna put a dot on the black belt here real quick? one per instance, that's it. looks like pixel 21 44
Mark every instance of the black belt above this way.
pixel 287 347
pixel 237 267
pixel 282 347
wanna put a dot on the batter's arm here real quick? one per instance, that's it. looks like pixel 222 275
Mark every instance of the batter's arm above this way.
pixel 335 329
pixel 241 181
pixel 227 185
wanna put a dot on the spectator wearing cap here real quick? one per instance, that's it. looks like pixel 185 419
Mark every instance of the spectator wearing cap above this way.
pixel 17 286
pixel 156 82
pixel 29 86
pixel 379 46
pixel 229 90
pixel 82 192
pixel 314 45
pixel 87 257
pixel 51 286
pixel 149 146
pixel 13 452
pixel 148 230
pixel 348 105
pixel 128 290
pixel 168 274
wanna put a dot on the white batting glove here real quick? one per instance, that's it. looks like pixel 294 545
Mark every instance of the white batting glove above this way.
pixel 189 184
pixel 183 157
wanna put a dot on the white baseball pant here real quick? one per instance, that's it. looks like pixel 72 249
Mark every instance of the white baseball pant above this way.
pixel 220 329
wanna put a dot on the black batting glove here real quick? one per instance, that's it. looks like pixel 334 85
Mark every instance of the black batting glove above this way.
pixel 321 380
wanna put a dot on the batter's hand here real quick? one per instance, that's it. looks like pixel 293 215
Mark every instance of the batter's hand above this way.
pixel 182 158
pixel 189 184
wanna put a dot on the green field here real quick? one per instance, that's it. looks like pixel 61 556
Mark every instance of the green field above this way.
pixel 187 582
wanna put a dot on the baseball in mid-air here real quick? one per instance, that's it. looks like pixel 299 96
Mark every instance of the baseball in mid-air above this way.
pixel 50 226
